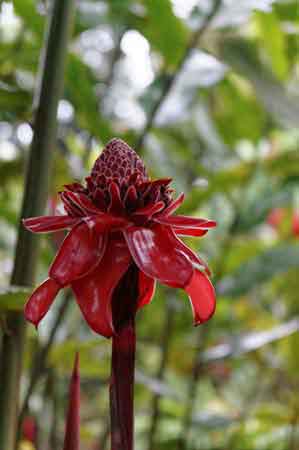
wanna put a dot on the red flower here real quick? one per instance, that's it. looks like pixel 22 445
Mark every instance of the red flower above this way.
pixel 122 234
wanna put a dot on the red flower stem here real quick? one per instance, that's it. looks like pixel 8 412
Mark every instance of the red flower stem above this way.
pixel 122 388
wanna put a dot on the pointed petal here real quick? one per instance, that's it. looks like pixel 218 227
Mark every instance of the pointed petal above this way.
pixel 147 288
pixel 40 301
pixel 47 224
pixel 80 252
pixel 174 205
pixel 185 222
pixel 149 210
pixel 105 222
pixel 202 297
pixel 190 232
pixel 70 207
pixel 72 429
pixel 156 253
pixel 82 202
pixel 193 257
pixel 116 206
pixel 94 292
pixel 131 196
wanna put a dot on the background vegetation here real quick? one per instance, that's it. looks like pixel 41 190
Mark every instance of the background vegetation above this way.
pixel 214 104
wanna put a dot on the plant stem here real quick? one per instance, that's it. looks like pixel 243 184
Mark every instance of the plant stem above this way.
pixel 35 193
pixel 165 347
pixel 171 79
pixel 122 388
pixel 39 363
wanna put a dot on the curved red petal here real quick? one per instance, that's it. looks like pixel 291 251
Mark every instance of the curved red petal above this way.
pixel 80 252
pixel 156 253
pixel 82 202
pixel 105 222
pixel 149 210
pixel 197 232
pixel 47 224
pixel 94 291
pixel 130 196
pixel 193 257
pixel 202 297
pixel 147 288
pixel 40 301
pixel 174 205
pixel 185 222
pixel 70 207
pixel 116 205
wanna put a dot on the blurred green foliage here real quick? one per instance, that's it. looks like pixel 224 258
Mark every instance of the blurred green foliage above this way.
pixel 228 135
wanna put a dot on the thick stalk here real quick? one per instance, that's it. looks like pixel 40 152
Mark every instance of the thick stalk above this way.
pixel 35 192
pixel 122 388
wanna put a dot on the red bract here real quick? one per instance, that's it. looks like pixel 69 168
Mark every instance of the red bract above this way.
pixel 72 428
pixel 122 225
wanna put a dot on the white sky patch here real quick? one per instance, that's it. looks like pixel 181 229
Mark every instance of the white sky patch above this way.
pixel 183 8
pixel 9 22
pixel 138 61
pixel 8 151
pixel 25 134
pixel 65 111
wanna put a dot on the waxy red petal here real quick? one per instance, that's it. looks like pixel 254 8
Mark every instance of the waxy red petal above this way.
pixel 80 252
pixel 82 202
pixel 156 253
pixel 146 286
pixel 105 222
pixel 72 429
pixel 185 222
pixel 70 207
pixel 149 210
pixel 193 257
pixel 40 301
pixel 173 206
pixel 47 224
pixel 94 292
pixel 202 297
pixel 190 232
pixel 116 205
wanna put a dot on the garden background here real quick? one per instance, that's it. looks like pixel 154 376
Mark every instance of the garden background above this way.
pixel 207 92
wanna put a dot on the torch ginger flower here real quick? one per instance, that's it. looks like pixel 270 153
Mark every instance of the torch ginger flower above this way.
pixel 122 232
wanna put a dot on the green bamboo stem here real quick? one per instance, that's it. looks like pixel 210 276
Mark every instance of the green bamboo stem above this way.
pixel 48 93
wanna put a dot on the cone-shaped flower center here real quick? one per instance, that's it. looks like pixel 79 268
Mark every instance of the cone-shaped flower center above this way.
pixel 119 175
pixel 120 163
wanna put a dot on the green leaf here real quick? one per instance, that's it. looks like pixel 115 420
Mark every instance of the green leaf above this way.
pixel 274 41
pixel 80 88
pixel 164 30
pixel 260 269
pixel 26 9
pixel 13 298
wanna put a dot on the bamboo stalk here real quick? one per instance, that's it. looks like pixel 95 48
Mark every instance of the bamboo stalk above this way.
pixel 35 194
